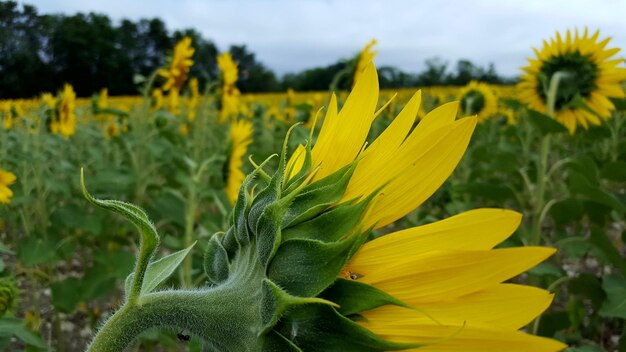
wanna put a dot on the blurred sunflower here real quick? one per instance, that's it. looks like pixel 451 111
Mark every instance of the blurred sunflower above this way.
pixel 66 124
pixel 229 92
pixel 6 179
pixel 179 65
pixel 240 139
pixel 589 77
pixel 478 98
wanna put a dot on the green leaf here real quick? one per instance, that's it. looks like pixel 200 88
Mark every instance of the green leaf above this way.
pixel 318 196
pixel 620 103
pixel 321 328
pixel 330 226
pixel 544 123
pixel 307 267
pixel 32 251
pixel 159 270
pixel 614 171
pixel 580 186
pixel 16 327
pixel 602 242
pixel 566 211
pixel 512 103
pixel 589 286
pixel 615 304
pixel 66 294
pixel 355 297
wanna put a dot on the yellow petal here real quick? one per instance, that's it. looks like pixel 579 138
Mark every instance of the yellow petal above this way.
pixel 352 126
pixel 478 229
pixel 506 306
pixel 468 339
pixel 442 275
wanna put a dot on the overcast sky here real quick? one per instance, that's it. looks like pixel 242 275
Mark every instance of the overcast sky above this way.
pixel 290 35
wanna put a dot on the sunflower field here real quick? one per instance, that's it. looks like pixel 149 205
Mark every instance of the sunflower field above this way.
pixel 445 218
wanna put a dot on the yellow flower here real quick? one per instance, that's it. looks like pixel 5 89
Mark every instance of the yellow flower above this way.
pixel 230 93
pixel 478 99
pixel 228 69
pixel 183 129
pixel 365 57
pixel 157 98
pixel 49 100
pixel 112 129
pixel 103 98
pixel 194 99
pixel 179 65
pixel 447 272
pixel 7 115
pixel 589 78
pixel 173 101
pixel 67 119
pixel 240 139
pixel 6 179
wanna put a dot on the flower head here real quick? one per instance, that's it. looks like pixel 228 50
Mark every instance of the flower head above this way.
pixel 67 119
pixel 6 179
pixel 180 62
pixel 589 77
pixel 240 139
pixel 478 99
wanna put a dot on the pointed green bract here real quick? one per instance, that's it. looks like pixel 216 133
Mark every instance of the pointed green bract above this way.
pixel 216 264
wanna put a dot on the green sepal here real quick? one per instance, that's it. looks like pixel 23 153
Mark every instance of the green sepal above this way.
pixel 243 205
pixel 321 328
pixel 157 271
pixel 318 196
pixel 229 242
pixel 307 267
pixel 275 302
pixel 268 231
pixel 275 342
pixel 354 297
pixel 330 226
pixel 216 265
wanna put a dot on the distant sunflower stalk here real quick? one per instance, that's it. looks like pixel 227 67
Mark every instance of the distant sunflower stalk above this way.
pixel 478 98
pixel 7 178
pixel 299 270
pixel 229 92
pixel 586 74
pixel 240 139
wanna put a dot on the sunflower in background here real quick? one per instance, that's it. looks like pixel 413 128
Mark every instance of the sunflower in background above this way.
pixel 229 92
pixel 589 77
pixel 7 178
pixel 240 139
pixel 66 122
pixel 176 73
pixel 365 56
pixel 478 98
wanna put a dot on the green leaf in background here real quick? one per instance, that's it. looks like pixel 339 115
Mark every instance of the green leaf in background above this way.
pixel 32 251
pixel 66 294
pixel 620 103
pixel 580 186
pixel 567 210
pixel 602 242
pixel 159 270
pixel 589 286
pixel 615 304
pixel 16 327
pixel 545 123
pixel 614 171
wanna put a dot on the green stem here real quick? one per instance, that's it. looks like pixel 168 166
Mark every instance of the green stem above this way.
pixel 187 268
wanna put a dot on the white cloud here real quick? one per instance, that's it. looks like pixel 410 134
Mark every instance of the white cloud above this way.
pixel 289 35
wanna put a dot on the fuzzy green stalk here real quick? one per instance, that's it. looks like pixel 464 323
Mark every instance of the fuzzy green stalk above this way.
pixel 542 166
pixel 225 317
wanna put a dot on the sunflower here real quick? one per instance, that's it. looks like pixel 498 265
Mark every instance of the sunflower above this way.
pixel 6 179
pixel 447 274
pixel 478 99
pixel 589 77
pixel 66 123
pixel 179 65
pixel 365 56
pixel 229 92
pixel 240 139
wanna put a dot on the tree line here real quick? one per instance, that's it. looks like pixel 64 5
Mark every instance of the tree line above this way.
pixel 40 52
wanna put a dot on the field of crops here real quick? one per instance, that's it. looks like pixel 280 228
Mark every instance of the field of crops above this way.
pixel 342 215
